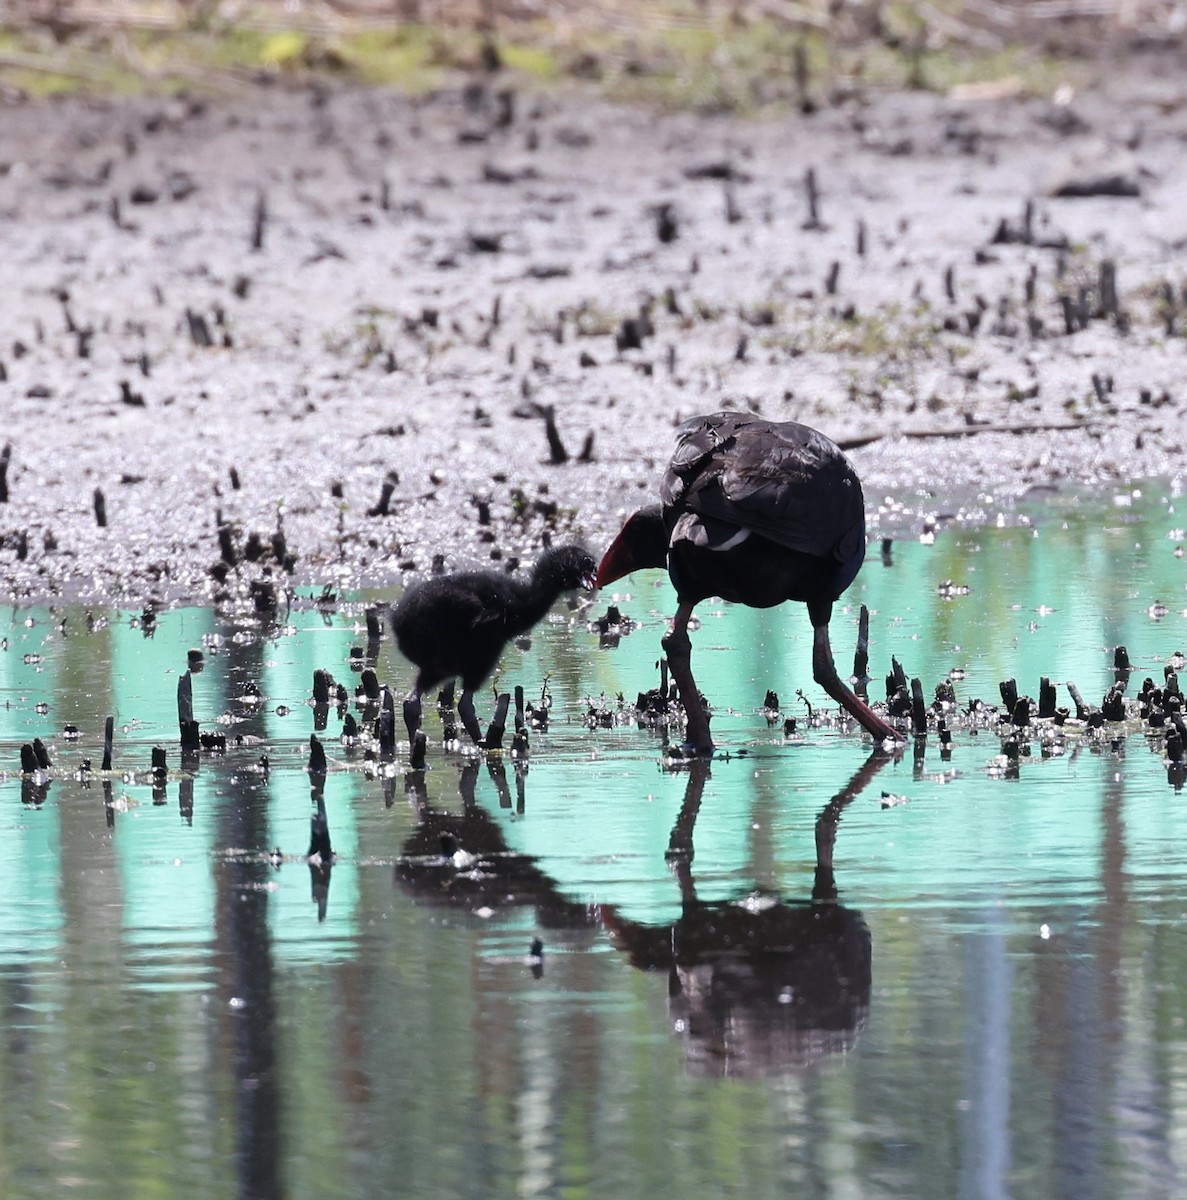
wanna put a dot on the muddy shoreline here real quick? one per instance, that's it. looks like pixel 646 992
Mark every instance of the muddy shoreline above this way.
pixel 250 313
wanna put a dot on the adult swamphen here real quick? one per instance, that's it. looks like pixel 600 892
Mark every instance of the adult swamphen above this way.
pixel 757 512
pixel 457 625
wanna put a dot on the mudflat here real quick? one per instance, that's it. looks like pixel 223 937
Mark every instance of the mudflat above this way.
pixel 332 335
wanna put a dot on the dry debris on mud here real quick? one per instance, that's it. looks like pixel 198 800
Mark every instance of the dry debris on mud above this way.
pixel 336 335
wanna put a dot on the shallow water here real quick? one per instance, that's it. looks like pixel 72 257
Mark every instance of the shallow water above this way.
pixel 987 1002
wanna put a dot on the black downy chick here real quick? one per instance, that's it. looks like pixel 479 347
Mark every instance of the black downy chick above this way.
pixel 456 626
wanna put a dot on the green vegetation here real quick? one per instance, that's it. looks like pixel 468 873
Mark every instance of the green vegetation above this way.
pixel 675 54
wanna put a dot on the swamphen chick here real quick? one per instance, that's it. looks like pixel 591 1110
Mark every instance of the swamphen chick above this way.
pixel 457 625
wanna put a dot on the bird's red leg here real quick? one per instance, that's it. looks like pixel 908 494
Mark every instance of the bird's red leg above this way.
pixel 678 648
pixel 465 710
pixel 824 671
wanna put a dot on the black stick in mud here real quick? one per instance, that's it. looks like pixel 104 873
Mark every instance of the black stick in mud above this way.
pixel 385 726
pixel 381 506
pixel 374 624
pixel 263 597
pixel 108 739
pixel 812 192
pixel 226 540
pixel 667 224
pixel 322 684
pixel 100 503
pixel 520 746
pixel 800 73
pixel 918 709
pixel 185 713
pixel 41 754
pixel 1009 691
pixel 449 727
pixel 34 791
pixel 861 656
pixel 557 454
pixel 495 730
pixel 1174 746
pixel 1082 709
pixel 5 458
pixel 321 849
pixel 1180 726
pixel 419 748
pixel 497 771
pixel 317 758
pixel 1107 287
pixel 519 711
pixel 160 774
pixel 199 329
pixel 259 220
pixel 1046 698
pixel 896 681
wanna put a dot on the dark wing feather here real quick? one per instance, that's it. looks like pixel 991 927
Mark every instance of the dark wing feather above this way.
pixel 782 480
pixel 451 605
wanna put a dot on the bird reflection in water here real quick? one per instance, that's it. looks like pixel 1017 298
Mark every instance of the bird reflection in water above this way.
pixel 760 986
pixel 460 858
pixel 320 858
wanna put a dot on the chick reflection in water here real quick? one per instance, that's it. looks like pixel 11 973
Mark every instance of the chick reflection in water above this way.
pixel 759 987
pixel 459 857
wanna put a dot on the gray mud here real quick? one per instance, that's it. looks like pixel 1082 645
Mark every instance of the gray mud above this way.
pixel 429 281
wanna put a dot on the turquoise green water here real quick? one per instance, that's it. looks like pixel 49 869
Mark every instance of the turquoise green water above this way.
pixel 990 1005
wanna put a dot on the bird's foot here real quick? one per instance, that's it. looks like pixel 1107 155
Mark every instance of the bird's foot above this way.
pixel 882 733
